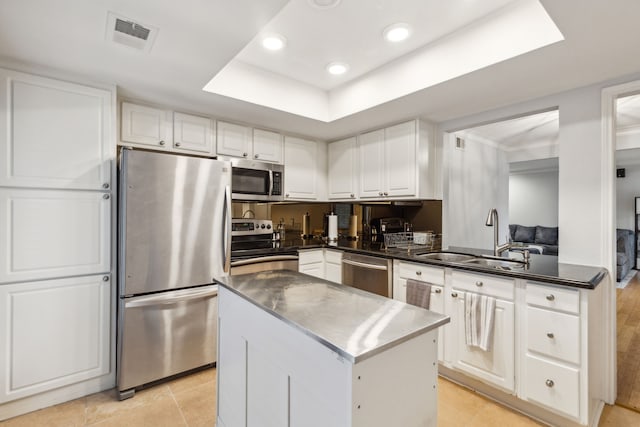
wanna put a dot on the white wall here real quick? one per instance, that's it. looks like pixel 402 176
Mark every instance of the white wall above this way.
pixel 476 179
pixel 627 189
pixel 533 198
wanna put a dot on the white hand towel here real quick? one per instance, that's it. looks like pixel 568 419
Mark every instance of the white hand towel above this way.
pixel 479 313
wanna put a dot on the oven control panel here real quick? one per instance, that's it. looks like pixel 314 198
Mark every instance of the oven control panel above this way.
pixel 247 227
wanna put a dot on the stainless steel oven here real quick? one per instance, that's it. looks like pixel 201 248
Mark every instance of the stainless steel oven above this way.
pixel 253 248
pixel 256 181
pixel 372 274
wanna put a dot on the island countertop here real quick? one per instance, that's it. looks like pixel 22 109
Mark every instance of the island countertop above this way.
pixel 354 323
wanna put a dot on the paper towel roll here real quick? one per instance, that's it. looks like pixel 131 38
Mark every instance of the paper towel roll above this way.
pixel 333 227
pixel 353 226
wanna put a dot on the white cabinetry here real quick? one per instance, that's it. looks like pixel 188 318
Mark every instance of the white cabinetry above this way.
pixel 311 262
pixel 158 129
pixel 343 167
pixel 242 141
pixel 434 276
pixel 305 169
pixel 56 194
pixel 495 366
pixel 58 332
pixel 333 265
pixel 193 133
pixel 321 263
pixel 553 353
pixel 52 134
pixel 267 146
pixel 399 161
pixel 146 126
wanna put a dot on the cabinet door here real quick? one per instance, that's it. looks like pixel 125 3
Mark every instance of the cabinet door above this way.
pixel 146 126
pixel 53 233
pixel 193 133
pixel 342 169
pixel 371 164
pixel 300 174
pixel 400 159
pixel 54 333
pixel 54 134
pixel 267 146
pixel 233 140
pixel 496 366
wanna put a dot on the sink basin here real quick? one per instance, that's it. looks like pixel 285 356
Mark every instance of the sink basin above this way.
pixel 497 263
pixel 447 256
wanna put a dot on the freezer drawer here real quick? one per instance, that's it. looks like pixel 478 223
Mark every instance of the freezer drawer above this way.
pixel 165 334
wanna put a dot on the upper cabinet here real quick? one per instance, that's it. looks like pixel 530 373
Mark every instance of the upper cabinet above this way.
pixel 343 167
pixel 399 162
pixel 193 133
pixel 53 134
pixel 305 169
pixel 159 129
pixel 243 141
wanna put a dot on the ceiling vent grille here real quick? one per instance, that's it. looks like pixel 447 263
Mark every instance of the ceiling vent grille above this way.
pixel 125 31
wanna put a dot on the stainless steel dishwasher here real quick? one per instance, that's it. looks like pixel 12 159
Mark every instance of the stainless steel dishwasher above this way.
pixel 369 273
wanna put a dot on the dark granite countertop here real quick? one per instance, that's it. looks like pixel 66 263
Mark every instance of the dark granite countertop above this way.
pixel 544 268
pixel 354 323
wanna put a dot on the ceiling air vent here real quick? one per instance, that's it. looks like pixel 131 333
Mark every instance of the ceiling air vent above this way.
pixel 126 31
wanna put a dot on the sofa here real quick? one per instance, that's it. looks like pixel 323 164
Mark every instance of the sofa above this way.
pixel 625 252
pixel 537 239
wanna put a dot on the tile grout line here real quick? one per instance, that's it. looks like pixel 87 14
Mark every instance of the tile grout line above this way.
pixel 178 406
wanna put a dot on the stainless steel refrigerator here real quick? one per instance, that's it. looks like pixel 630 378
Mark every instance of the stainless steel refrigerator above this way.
pixel 174 237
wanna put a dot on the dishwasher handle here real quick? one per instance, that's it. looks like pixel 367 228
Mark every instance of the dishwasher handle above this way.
pixel 173 297
pixel 365 265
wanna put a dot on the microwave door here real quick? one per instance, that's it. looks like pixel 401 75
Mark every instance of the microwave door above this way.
pixel 251 181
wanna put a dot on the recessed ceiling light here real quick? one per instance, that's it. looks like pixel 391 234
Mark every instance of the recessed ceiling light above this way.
pixel 337 68
pixel 397 32
pixel 274 42
pixel 324 4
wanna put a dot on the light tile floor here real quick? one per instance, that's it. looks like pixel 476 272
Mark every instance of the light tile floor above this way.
pixel 190 401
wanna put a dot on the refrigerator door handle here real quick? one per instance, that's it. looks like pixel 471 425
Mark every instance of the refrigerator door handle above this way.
pixel 226 232
pixel 173 297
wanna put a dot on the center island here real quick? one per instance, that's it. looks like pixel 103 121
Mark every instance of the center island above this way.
pixel 298 351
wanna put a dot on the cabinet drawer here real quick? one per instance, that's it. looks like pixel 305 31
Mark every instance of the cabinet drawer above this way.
pixel 553 297
pixel 422 272
pixel 484 284
pixel 553 385
pixel 311 256
pixel 554 334
pixel 333 257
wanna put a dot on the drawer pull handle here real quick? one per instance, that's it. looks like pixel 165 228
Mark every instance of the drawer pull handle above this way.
pixel 438 290
pixel 478 284
pixel 549 383
pixel 550 334
pixel 454 294
pixel 418 273
pixel 550 297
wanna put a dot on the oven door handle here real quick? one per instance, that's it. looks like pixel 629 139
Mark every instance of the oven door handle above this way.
pixel 364 265
pixel 261 259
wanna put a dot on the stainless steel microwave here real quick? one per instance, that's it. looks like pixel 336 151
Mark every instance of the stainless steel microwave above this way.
pixel 253 180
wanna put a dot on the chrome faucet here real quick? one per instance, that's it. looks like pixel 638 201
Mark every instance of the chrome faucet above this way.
pixel 492 221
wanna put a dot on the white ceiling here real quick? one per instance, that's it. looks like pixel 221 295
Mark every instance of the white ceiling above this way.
pixel 352 32
pixel 66 39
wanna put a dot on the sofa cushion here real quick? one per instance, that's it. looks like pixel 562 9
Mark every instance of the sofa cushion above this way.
pixel 512 232
pixel 621 258
pixel 546 235
pixel 525 234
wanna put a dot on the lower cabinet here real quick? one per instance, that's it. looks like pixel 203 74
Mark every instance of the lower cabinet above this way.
pixel 54 333
pixel 434 276
pixel 322 263
pixel 495 366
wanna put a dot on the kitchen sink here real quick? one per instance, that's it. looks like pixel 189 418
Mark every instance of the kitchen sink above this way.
pixel 502 264
pixel 447 256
